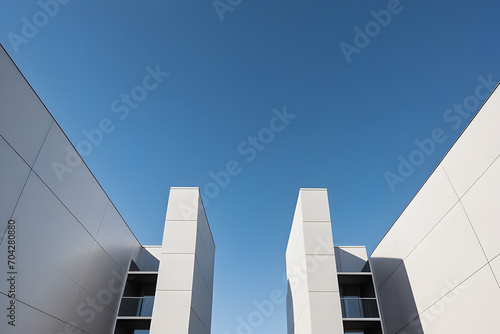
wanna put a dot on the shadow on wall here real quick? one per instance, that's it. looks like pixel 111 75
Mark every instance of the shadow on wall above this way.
pixel 290 321
pixel 396 300
pixel 347 262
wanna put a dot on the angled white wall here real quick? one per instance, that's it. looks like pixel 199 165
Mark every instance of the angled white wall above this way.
pixel 183 300
pixel 438 268
pixel 313 300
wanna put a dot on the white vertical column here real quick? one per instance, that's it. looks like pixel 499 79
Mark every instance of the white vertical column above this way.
pixel 314 298
pixel 183 300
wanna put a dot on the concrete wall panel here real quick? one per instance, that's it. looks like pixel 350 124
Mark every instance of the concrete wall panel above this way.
pixel 477 148
pixel 111 236
pixel 322 274
pixel 39 322
pixel 466 309
pixel 482 204
pixel 318 238
pixel 176 306
pixel 48 233
pixel 180 236
pixel 495 267
pixel 13 175
pixel 88 204
pixel 391 313
pixel 24 120
pixel 448 255
pixel 99 271
pixel 385 259
pixel 180 272
pixel 431 204
pixel 315 205
pixel 324 306
pixel 95 318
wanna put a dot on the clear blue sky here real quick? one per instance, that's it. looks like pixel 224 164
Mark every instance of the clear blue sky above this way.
pixel 353 119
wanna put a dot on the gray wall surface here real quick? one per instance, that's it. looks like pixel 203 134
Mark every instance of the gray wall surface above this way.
pixel 350 258
pixel 437 270
pixel 69 247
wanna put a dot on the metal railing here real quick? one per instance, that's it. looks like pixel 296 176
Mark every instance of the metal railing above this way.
pixel 354 307
pixel 136 306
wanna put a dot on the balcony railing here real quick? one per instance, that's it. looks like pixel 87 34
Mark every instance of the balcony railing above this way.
pixel 136 306
pixel 354 307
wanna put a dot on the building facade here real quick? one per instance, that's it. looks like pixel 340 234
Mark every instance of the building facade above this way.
pixel 70 263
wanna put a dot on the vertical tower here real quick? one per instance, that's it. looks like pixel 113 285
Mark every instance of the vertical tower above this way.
pixel 313 299
pixel 183 298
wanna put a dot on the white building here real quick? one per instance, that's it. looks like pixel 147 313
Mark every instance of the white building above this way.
pixel 70 264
